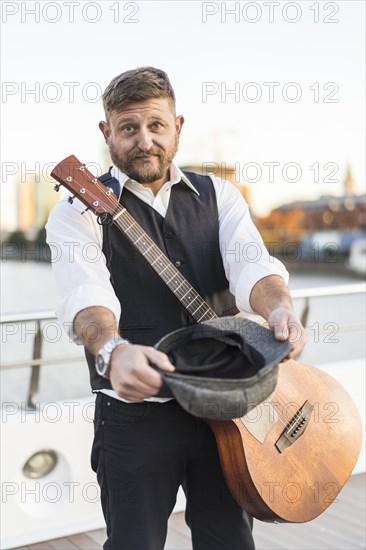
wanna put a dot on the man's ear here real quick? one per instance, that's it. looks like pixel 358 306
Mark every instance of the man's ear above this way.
pixel 104 128
pixel 179 121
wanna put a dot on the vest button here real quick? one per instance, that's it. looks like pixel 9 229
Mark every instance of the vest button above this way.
pixel 178 263
pixel 168 234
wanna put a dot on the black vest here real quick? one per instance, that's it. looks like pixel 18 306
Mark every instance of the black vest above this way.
pixel 189 236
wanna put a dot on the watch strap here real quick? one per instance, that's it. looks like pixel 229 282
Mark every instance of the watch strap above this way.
pixel 103 357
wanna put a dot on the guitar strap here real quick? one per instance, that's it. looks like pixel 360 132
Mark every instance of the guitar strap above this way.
pixel 111 182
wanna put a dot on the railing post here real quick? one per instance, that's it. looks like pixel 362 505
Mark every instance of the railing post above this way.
pixel 305 312
pixel 34 380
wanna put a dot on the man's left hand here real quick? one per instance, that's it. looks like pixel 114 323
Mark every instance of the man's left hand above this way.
pixel 286 326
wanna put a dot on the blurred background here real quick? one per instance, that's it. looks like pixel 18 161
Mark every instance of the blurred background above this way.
pixel 273 97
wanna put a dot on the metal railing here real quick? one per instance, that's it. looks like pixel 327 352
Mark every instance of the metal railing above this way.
pixel 37 361
pixel 40 316
pixel 320 292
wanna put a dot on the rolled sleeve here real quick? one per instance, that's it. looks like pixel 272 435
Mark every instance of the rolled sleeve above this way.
pixel 87 295
pixel 79 265
pixel 245 257
pixel 250 276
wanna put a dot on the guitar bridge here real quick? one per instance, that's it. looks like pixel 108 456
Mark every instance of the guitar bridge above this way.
pixel 295 428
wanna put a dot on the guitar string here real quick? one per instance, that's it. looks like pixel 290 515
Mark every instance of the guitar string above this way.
pixel 289 424
pixel 186 294
pixel 152 252
pixel 185 288
pixel 117 208
pixel 140 233
pixel 195 304
pixel 169 274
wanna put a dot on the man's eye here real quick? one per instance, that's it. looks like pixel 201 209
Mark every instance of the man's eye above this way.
pixel 128 129
pixel 156 125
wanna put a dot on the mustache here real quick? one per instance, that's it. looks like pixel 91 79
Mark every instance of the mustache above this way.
pixel 154 151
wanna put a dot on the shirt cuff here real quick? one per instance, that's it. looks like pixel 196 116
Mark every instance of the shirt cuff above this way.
pixel 88 295
pixel 250 276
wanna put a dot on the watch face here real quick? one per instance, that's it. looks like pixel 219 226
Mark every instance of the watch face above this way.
pixel 100 365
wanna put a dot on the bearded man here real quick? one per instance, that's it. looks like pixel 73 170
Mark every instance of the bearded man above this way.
pixel 145 445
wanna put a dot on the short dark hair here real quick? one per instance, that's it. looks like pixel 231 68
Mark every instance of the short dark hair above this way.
pixel 137 85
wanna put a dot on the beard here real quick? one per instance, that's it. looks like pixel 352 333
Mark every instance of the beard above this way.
pixel 145 173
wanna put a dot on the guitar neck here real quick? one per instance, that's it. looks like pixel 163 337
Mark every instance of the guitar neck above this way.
pixel 196 306
pixel 74 175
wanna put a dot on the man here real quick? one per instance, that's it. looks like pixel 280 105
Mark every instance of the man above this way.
pixel 144 450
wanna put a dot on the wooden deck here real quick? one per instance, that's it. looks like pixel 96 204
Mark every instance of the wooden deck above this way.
pixel 341 527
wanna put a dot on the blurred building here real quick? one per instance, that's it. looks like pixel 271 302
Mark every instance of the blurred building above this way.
pixel 223 171
pixel 27 204
pixel 26 201
pixel 292 221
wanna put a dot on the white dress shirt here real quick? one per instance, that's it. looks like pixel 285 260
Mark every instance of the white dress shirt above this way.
pixel 79 264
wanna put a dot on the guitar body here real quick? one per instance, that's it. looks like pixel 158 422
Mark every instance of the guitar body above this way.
pixel 317 456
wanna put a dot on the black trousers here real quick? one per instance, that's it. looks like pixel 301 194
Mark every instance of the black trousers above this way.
pixel 142 453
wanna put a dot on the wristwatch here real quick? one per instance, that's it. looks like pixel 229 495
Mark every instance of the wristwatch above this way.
pixel 103 357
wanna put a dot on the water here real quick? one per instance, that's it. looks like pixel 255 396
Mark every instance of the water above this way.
pixel 27 286
pixel 31 287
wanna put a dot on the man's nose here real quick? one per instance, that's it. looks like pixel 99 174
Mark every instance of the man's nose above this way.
pixel 144 140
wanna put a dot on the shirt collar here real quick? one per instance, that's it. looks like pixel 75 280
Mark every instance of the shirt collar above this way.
pixel 176 175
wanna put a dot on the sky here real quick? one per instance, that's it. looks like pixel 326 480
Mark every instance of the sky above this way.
pixel 274 87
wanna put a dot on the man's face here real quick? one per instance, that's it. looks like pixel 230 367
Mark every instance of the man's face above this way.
pixel 143 139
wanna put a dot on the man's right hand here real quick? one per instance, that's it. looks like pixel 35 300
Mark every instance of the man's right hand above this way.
pixel 131 375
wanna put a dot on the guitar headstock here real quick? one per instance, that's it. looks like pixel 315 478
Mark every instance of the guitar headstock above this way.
pixel 73 174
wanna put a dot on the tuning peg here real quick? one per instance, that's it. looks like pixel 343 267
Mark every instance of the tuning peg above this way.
pixel 57 187
pixel 70 199
pixel 83 212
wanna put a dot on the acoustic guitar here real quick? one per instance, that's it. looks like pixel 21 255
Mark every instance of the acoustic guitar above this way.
pixel 288 458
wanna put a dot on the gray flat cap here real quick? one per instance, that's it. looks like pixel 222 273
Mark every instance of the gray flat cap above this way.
pixel 224 367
